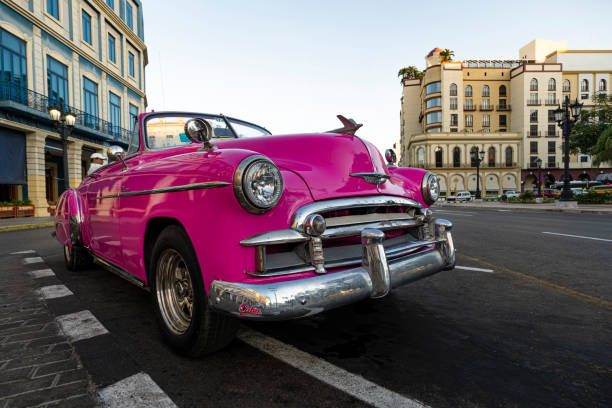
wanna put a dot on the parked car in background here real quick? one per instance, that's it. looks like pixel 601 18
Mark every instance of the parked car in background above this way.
pixel 510 194
pixel 254 226
pixel 462 196
pixel 578 191
pixel 605 189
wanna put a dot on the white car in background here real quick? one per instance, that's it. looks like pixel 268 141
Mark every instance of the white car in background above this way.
pixel 461 196
pixel 510 194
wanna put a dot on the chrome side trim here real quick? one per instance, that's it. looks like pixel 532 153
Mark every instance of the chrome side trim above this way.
pixel 277 237
pixel 122 273
pixel 186 187
pixel 299 218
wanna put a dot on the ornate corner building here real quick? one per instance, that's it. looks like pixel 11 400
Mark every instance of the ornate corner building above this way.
pixel 88 56
pixel 502 107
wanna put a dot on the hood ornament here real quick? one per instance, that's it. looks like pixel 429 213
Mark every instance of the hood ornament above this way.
pixel 349 126
pixel 373 178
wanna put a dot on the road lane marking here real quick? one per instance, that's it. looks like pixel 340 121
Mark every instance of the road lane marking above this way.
pixel 454 213
pixel 328 373
pixel 592 299
pixel 469 268
pixel 504 210
pixel 138 390
pixel 36 259
pixel 28 251
pixel 80 325
pixel 578 236
pixel 54 291
pixel 41 273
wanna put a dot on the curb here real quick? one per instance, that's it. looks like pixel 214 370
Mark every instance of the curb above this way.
pixel 26 226
pixel 569 210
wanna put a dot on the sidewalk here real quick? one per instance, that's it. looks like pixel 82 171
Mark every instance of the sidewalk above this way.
pixel 498 205
pixel 12 224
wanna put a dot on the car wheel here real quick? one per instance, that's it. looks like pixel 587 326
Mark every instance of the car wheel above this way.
pixel 179 298
pixel 77 258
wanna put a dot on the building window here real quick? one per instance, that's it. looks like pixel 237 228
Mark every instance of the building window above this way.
pixel 533 147
pixel 566 85
pixel 502 90
pixel 533 85
pixel 456 157
pixel 454 119
pixel 552 84
pixel 421 157
pixel 468 90
pixel 13 67
pixel 433 117
pixel 129 15
pixel 486 104
pixel 491 157
pixel 57 82
pixel 502 121
pixel 453 130
pixel 90 103
pixel 453 89
pixel 552 131
pixel 508 157
pixel 434 130
pixel 111 3
pixel 111 48
pixel 439 152
pixel 473 152
pixel 584 85
pixel 114 108
pixel 502 104
pixel 533 161
pixel 533 99
pixel 551 148
pixel 432 88
pixel 584 158
pixel 469 119
pixel 533 130
pixel 552 99
pixel 453 103
pixel 131 64
pixel 551 115
pixel 533 115
pixel 86 27
pixel 486 120
pixel 433 103
pixel 133 117
pixel 603 86
pixel 468 104
pixel 551 162
pixel 485 90
pixel 53 8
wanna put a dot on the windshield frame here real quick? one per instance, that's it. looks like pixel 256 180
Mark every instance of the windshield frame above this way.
pixel 226 119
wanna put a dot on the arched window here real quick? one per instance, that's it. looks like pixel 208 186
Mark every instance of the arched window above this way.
pixel 603 85
pixel 584 85
pixel 502 90
pixel 533 85
pixel 456 157
pixel 491 157
pixel 453 89
pixel 508 156
pixel 485 90
pixel 421 157
pixel 473 156
pixel 439 153
pixel 552 84
pixel 566 85
pixel 468 90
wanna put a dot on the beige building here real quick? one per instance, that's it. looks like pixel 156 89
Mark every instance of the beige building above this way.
pixel 501 107
pixel 89 57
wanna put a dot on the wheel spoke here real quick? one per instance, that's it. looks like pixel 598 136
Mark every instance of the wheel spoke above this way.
pixel 174 291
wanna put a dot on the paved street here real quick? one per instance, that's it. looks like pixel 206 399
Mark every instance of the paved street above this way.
pixel 525 322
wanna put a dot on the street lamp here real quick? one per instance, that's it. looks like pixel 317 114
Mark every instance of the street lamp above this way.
pixel 566 117
pixel 63 122
pixel 538 162
pixel 477 157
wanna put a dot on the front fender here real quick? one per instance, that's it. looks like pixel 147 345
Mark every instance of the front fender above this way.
pixel 69 219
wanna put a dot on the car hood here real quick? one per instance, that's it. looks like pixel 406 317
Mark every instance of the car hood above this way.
pixel 325 161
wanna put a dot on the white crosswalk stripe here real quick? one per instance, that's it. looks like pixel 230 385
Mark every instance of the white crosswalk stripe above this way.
pixel 138 390
pixel 53 292
pixel 80 325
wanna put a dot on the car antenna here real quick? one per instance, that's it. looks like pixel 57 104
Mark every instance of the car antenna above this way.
pixel 349 128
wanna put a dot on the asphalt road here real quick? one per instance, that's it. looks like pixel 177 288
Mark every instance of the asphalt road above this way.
pixel 534 332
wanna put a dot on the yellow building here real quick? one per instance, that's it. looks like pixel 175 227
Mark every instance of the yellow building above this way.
pixel 501 107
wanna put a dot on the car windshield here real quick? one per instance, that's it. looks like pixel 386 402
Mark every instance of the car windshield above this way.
pixel 164 131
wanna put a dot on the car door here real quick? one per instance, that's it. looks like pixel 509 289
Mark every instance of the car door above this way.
pixel 103 191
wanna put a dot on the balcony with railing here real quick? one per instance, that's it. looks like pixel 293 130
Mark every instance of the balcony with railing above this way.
pixel 469 107
pixel 554 133
pixel 453 165
pixel 531 133
pixel 31 102
pixel 552 102
pixel 534 102
pixel 503 107
pixel 486 107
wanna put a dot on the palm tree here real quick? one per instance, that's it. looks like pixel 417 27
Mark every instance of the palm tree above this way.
pixel 447 55
pixel 410 72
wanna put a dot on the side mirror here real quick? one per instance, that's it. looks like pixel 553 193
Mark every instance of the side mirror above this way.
pixel 115 153
pixel 199 131
pixel 390 157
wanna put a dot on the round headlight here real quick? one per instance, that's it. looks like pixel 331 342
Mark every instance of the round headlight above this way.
pixel 258 184
pixel 430 187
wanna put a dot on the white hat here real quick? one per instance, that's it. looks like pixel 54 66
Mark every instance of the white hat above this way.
pixel 97 156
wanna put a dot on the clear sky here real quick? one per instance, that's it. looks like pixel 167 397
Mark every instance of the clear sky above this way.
pixel 292 66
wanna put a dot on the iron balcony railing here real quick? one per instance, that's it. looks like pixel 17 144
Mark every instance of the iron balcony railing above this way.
pixel 486 107
pixel 14 92
pixel 469 107
pixel 438 165
pixel 534 102
pixel 503 107
pixel 566 89
pixel 552 102
pixel 534 134
pixel 554 133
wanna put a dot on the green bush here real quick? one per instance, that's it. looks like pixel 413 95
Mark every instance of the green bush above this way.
pixel 593 198
pixel 526 195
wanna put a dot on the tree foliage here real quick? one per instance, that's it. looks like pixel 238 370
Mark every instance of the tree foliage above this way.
pixel 592 133
pixel 447 55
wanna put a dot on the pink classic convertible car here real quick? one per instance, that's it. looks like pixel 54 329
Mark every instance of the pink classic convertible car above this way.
pixel 220 220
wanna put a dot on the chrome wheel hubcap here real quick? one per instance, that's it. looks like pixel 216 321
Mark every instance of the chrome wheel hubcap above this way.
pixel 174 291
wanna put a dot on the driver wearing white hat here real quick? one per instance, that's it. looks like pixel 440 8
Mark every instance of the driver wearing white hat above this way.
pixel 97 161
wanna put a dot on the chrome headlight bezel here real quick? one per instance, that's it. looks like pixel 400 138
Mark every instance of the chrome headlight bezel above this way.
pixel 241 185
pixel 429 182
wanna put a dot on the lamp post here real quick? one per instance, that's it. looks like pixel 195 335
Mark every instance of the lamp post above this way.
pixel 63 122
pixel 566 117
pixel 538 162
pixel 478 157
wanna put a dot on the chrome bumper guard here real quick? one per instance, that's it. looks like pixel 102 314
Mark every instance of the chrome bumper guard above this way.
pixel 305 297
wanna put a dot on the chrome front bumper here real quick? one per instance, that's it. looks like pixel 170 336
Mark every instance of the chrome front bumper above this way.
pixel 305 297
